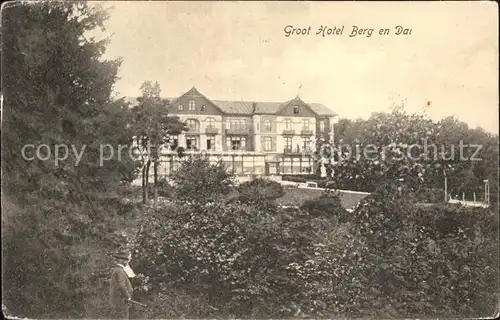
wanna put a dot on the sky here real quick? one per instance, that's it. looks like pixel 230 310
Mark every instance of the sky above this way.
pixel 239 51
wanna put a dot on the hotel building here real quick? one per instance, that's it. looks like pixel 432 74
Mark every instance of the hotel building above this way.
pixel 251 138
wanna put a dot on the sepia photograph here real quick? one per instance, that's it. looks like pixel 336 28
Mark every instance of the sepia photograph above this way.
pixel 250 160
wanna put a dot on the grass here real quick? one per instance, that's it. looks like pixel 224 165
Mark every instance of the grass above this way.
pixel 296 196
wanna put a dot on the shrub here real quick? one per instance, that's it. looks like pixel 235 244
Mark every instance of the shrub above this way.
pixel 259 191
pixel 165 189
pixel 328 204
pixel 420 261
pixel 61 262
pixel 429 195
pixel 199 181
pixel 240 256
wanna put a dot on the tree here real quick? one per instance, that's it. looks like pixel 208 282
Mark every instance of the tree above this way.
pixel 57 93
pixel 153 127
pixel 399 145
pixel 200 182
pixel 259 191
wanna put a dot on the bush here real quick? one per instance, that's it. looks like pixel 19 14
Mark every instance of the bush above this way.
pixel 429 195
pixel 199 181
pixel 416 260
pixel 240 256
pixel 60 262
pixel 389 258
pixel 328 205
pixel 165 189
pixel 259 191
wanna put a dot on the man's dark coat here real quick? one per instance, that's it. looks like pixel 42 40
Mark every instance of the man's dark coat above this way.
pixel 120 290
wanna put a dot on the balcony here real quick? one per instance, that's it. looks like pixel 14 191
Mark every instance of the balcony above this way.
pixel 289 132
pixel 211 130
pixel 306 132
pixel 193 130
pixel 238 130
pixel 293 151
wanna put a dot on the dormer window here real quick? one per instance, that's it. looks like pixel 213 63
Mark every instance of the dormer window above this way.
pixel 295 109
pixel 192 105
pixel 180 107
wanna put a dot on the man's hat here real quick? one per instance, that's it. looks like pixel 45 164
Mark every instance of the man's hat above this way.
pixel 122 255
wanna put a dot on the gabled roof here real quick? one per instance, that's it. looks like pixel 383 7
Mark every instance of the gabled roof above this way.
pixel 267 107
pixel 322 110
pixel 195 93
pixel 235 107
pixel 292 101
pixel 249 108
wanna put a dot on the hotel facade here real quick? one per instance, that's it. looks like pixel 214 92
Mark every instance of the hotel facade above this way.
pixel 250 137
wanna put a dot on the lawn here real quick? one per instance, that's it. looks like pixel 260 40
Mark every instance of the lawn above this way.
pixel 296 196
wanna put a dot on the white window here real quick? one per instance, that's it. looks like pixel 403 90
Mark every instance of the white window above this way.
pixel 288 124
pixel 322 126
pixel 210 123
pixel 237 124
pixel 236 143
pixel 268 144
pixel 193 124
pixel 192 105
pixel 267 125
pixel 288 144
pixel 306 143
pixel 191 142
pixel 210 142
pixel 203 107
pixel 305 124
pixel 180 107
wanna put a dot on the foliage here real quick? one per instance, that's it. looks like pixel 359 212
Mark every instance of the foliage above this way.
pixel 57 91
pixel 429 195
pixel 327 204
pixel 199 181
pixel 153 128
pixel 237 254
pixel 378 149
pixel 259 191
pixel 165 189
pixel 422 261
pixel 389 258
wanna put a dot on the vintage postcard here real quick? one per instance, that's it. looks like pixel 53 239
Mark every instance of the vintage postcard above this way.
pixel 252 160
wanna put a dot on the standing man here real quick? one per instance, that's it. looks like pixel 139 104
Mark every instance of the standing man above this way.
pixel 120 288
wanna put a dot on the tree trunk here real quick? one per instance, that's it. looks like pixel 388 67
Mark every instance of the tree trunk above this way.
pixel 155 170
pixel 144 191
pixel 148 165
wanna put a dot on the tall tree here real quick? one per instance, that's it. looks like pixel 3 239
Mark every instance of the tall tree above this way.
pixel 439 149
pixel 57 94
pixel 153 127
